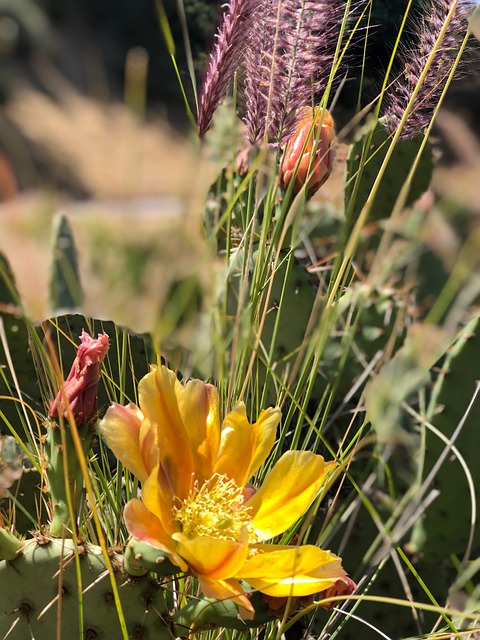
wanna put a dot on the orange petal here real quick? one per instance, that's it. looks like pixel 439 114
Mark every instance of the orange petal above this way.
pixel 148 448
pixel 227 590
pixel 283 571
pixel 244 446
pixel 212 558
pixel 159 404
pixel 144 526
pixel 287 492
pixel 121 428
pixel 157 498
pixel 198 406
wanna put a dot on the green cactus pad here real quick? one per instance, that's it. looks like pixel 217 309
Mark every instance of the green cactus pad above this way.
pixel 363 166
pixel 9 295
pixel 141 558
pixel 207 613
pixel 65 286
pixel 446 526
pixel 42 598
pixel 289 307
pixel 370 321
pixel 15 354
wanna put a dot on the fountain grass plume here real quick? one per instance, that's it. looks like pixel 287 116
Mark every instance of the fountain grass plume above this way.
pixel 426 32
pixel 224 58
pixel 258 66
pixel 283 52
pixel 310 42
pixel 298 55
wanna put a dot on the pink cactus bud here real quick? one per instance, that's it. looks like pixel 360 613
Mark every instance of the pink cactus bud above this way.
pixel 344 587
pixel 309 156
pixel 79 390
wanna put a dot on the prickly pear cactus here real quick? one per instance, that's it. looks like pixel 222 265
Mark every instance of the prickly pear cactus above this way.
pixel 65 287
pixel 17 382
pixel 287 312
pixel 43 601
pixel 9 296
pixel 448 522
pixel 370 323
pixel 365 158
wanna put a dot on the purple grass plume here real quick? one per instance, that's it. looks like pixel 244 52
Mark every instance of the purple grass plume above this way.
pixel 224 58
pixel 287 64
pixel 283 52
pixel 427 32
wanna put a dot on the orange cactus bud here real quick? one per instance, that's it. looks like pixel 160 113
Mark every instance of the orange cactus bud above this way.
pixel 308 156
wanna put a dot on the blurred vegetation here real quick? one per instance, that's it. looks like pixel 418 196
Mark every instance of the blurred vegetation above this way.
pixel 108 30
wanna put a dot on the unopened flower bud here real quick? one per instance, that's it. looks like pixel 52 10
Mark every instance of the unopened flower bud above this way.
pixel 79 390
pixel 309 156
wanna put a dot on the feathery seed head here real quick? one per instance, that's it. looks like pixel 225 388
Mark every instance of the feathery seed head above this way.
pixel 427 32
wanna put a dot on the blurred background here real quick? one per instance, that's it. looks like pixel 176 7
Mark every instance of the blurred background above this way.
pixel 93 124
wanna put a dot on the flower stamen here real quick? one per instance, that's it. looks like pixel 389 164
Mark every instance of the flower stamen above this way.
pixel 215 509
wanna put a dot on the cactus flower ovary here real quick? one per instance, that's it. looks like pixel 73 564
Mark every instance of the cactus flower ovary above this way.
pixel 197 505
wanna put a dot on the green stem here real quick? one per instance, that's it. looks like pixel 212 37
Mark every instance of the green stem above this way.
pixel 64 476
pixel 9 545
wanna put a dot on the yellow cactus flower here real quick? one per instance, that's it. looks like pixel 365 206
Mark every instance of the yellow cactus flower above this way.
pixel 197 505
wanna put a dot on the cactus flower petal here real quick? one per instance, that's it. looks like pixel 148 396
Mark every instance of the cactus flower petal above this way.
pixel 159 404
pixel 287 492
pixel 213 558
pixel 292 571
pixel 244 446
pixel 146 527
pixel 198 406
pixel 158 497
pixel 197 504
pixel 122 430
pixel 228 589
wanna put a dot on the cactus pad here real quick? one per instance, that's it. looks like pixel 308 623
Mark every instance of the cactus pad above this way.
pixel 363 165
pixel 65 286
pixel 448 520
pixel 42 598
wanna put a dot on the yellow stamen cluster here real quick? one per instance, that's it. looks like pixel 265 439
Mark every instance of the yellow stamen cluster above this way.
pixel 215 509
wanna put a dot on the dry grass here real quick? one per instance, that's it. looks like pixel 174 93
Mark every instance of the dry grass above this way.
pixel 140 178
